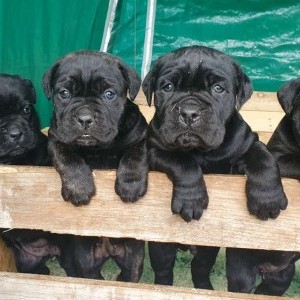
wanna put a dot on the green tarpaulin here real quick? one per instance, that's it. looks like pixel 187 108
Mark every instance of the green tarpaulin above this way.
pixel 263 36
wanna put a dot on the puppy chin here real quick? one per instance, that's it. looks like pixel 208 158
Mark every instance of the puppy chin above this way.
pixel 190 141
pixel 90 140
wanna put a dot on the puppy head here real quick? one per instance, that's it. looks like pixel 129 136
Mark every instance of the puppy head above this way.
pixel 196 90
pixel 19 125
pixel 289 99
pixel 89 91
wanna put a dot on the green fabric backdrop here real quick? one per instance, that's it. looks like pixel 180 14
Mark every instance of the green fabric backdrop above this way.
pixel 34 33
pixel 263 36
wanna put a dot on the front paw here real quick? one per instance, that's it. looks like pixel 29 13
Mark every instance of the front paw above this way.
pixel 78 190
pixel 131 187
pixel 189 202
pixel 268 204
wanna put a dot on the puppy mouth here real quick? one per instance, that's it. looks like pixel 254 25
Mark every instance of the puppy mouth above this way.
pixel 189 140
pixel 86 140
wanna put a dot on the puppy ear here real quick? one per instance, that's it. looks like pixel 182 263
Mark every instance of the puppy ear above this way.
pixel 288 94
pixel 31 91
pixel 133 79
pixel 148 87
pixel 244 88
pixel 48 79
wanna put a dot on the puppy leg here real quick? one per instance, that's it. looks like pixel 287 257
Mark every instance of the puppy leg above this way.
pixel 31 256
pixel 263 187
pixel 276 283
pixel 131 182
pixel 240 271
pixel 189 191
pixel 76 176
pixel 201 265
pixel 289 165
pixel 162 259
pixel 82 256
pixel 130 259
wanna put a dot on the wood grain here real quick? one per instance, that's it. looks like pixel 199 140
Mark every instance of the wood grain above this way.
pixel 7 261
pixel 30 198
pixel 25 286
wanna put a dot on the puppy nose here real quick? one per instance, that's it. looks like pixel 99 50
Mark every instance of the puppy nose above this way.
pixel 15 133
pixel 189 114
pixel 84 118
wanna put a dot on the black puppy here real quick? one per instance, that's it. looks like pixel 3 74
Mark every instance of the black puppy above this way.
pixel 95 126
pixel 22 143
pixel 197 129
pixel 276 267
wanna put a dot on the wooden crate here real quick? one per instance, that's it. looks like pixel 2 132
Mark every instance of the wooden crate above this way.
pixel 30 198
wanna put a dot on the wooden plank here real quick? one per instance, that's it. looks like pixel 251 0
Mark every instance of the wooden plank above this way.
pixel 25 286
pixel 262 121
pixel 260 101
pixel 30 198
pixel 264 136
pixel 7 261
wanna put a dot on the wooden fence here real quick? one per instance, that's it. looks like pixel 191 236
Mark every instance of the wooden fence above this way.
pixel 30 198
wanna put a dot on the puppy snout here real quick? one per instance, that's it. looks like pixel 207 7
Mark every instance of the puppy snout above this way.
pixel 189 113
pixel 84 118
pixel 15 133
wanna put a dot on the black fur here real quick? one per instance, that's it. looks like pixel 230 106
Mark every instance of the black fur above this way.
pixel 197 129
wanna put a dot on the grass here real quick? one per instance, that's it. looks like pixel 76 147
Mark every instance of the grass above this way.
pixel 182 273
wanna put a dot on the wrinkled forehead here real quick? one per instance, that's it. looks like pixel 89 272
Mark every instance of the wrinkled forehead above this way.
pixel 193 68
pixel 89 68
pixel 14 94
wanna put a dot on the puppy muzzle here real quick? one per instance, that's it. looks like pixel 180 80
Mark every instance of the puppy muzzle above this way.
pixel 84 117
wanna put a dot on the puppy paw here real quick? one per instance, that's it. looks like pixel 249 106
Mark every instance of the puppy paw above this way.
pixel 78 191
pixel 266 205
pixel 189 202
pixel 131 187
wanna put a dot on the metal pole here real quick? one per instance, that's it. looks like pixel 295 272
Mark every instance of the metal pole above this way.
pixel 109 23
pixel 149 33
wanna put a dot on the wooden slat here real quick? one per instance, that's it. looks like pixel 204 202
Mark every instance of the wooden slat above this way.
pixel 30 198
pixel 260 101
pixel 7 261
pixel 25 286
pixel 261 120
pixel 264 136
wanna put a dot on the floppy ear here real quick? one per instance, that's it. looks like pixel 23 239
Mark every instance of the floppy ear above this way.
pixel 48 81
pixel 244 88
pixel 133 80
pixel 148 87
pixel 31 91
pixel 288 94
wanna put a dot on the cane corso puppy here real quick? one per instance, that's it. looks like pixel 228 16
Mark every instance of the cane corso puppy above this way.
pixel 197 129
pixel 22 143
pixel 96 126
pixel 276 267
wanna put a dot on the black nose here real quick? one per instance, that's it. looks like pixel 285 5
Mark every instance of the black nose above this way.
pixel 84 118
pixel 14 133
pixel 189 113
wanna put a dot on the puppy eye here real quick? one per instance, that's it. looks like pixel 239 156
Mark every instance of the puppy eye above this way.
pixel 64 94
pixel 109 95
pixel 168 87
pixel 218 89
pixel 27 109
